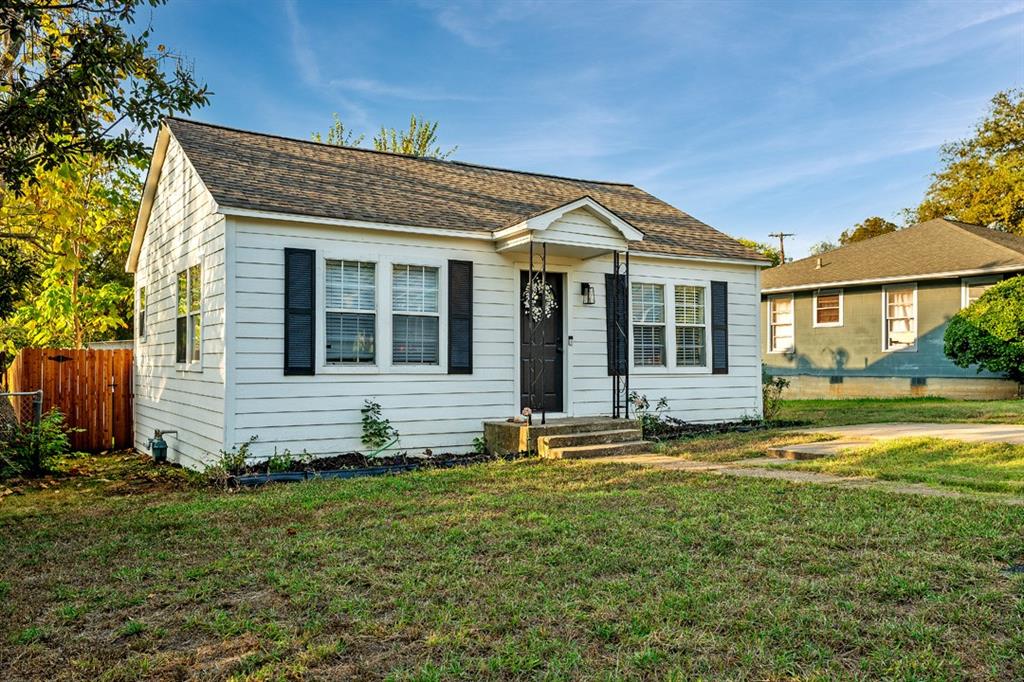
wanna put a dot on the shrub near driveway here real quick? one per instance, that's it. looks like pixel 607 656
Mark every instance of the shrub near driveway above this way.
pixel 511 570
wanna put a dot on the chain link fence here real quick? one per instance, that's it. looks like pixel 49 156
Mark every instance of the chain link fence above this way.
pixel 20 408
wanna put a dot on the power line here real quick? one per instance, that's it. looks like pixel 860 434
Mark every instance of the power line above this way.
pixel 782 242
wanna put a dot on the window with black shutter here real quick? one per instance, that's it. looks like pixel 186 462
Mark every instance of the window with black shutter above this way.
pixel 460 317
pixel 719 328
pixel 299 313
pixel 616 309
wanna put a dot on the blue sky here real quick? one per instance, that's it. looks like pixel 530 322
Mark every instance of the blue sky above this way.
pixel 754 117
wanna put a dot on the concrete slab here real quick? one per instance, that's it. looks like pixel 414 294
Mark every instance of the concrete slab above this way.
pixel 818 450
pixel 974 433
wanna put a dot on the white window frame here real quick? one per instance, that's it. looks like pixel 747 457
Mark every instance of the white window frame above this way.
pixel 792 323
pixel 885 319
pixel 394 313
pixel 967 282
pixel 358 311
pixel 141 309
pixel 814 311
pixel 671 365
pixel 633 324
pixel 191 343
pixel 383 263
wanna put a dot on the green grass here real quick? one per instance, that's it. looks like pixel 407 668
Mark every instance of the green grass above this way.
pixel 729 447
pixel 837 412
pixel 987 467
pixel 511 570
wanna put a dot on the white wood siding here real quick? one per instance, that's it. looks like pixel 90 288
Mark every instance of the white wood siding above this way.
pixel 430 408
pixel 584 228
pixel 183 230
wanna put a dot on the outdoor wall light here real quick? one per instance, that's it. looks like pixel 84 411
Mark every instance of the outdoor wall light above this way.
pixel 587 291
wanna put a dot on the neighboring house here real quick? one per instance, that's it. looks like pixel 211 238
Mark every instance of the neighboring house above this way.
pixel 281 282
pixel 867 320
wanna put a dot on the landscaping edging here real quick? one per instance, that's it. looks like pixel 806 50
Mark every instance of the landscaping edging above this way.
pixel 253 480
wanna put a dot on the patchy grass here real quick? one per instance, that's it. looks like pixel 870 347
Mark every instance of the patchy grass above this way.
pixel 509 571
pixel 729 447
pixel 986 467
pixel 874 410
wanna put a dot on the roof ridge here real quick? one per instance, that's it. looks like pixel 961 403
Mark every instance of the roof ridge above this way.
pixel 853 245
pixel 966 227
pixel 396 154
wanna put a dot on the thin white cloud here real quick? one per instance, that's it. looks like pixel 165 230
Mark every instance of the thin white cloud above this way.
pixel 478 24
pixel 302 53
pixel 375 88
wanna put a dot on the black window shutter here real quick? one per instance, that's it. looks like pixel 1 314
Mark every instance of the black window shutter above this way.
pixel 719 327
pixel 299 311
pixel 616 352
pixel 460 317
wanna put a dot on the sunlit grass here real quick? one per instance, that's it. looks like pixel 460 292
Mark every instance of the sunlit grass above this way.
pixel 871 410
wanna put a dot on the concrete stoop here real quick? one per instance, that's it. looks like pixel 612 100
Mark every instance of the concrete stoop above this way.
pixel 567 438
pixel 593 444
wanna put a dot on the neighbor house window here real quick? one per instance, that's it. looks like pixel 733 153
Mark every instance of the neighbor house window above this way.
pixel 141 316
pixel 351 317
pixel 974 288
pixel 415 319
pixel 780 324
pixel 188 338
pixel 900 317
pixel 691 326
pixel 828 308
pixel 648 304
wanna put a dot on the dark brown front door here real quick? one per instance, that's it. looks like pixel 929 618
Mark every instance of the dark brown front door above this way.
pixel 544 351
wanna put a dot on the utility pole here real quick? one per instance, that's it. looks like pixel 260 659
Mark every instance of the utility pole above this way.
pixel 782 243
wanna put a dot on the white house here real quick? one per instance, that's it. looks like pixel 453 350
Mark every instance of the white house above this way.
pixel 281 282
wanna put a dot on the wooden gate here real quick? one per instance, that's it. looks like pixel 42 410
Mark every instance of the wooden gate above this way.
pixel 93 388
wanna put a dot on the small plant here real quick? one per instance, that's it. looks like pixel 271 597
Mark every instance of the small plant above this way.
pixel 377 431
pixel 480 445
pixel 281 461
pixel 771 392
pixel 651 423
pixel 230 463
pixel 33 449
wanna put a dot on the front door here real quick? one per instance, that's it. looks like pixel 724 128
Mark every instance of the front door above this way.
pixel 541 388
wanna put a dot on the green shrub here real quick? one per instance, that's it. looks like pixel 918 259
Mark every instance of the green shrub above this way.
pixel 771 394
pixel 990 332
pixel 31 450
pixel 377 431
pixel 649 421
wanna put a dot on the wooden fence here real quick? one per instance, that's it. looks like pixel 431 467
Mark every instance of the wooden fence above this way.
pixel 93 388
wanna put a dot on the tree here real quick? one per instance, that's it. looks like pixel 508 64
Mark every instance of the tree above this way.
pixel 78 219
pixel 339 135
pixel 982 179
pixel 823 247
pixel 872 227
pixel 419 140
pixel 74 80
pixel 767 250
pixel 16 274
pixel 990 332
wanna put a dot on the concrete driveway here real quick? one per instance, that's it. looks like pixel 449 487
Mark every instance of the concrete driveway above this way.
pixel 975 433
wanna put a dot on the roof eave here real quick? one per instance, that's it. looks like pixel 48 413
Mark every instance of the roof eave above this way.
pixel 898 278
pixel 163 137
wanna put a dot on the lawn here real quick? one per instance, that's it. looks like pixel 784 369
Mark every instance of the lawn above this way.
pixel 729 447
pixel 516 570
pixel 836 412
pixel 987 467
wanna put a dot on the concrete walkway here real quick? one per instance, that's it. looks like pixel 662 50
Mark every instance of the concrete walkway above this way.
pixel 973 433
pixel 763 467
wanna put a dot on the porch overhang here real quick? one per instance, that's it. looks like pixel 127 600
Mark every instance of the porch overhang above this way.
pixel 582 228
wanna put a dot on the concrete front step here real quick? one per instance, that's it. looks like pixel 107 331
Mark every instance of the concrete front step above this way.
pixel 601 450
pixel 569 440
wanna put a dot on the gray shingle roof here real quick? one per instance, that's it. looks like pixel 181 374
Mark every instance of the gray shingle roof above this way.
pixel 268 173
pixel 928 248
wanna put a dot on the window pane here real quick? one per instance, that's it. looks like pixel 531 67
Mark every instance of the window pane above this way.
pixel 648 346
pixel 828 309
pixel 689 305
pixel 197 331
pixel 195 287
pixel 648 303
pixel 181 340
pixel 142 311
pixel 414 289
pixel 690 347
pixel 351 337
pixel 182 305
pixel 414 340
pixel 900 325
pixel 351 285
pixel 780 323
